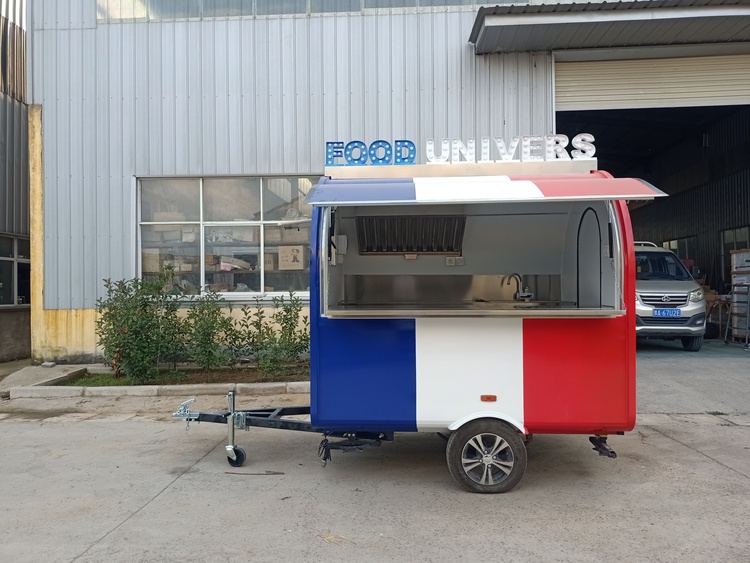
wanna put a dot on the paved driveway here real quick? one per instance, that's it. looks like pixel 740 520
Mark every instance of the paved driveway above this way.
pixel 117 487
pixel 715 379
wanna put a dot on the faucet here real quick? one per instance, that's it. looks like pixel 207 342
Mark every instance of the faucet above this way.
pixel 519 282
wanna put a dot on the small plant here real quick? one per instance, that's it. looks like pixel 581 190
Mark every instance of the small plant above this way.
pixel 282 339
pixel 208 329
pixel 130 318
pixel 293 339
pixel 240 338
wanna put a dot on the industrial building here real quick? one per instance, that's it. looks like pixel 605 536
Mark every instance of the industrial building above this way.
pixel 15 257
pixel 188 133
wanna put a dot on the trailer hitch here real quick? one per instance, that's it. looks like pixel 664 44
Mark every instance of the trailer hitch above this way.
pixel 348 444
pixel 183 412
pixel 600 445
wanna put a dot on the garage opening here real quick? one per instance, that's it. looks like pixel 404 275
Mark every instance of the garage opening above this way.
pixel 698 155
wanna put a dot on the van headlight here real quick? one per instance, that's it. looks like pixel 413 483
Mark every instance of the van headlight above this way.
pixel 696 295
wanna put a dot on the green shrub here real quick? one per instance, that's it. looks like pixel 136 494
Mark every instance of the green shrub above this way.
pixel 282 339
pixel 139 329
pixel 138 326
pixel 209 329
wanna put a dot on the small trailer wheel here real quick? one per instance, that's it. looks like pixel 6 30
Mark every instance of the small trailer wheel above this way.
pixel 486 456
pixel 240 453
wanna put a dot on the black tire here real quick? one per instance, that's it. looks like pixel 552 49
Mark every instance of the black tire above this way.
pixel 486 456
pixel 712 331
pixel 692 343
pixel 240 453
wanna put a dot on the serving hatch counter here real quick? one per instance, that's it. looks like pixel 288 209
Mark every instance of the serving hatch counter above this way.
pixel 545 246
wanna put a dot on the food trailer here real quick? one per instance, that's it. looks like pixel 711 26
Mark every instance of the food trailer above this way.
pixel 482 302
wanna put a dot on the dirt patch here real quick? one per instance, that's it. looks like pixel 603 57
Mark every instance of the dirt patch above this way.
pixel 191 376
pixel 239 375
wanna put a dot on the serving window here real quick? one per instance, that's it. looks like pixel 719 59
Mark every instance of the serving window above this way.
pixel 488 259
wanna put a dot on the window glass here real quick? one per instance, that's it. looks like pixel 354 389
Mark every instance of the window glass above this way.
pixel 269 7
pixel 24 249
pixel 170 200
pixel 326 6
pixel 390 3
pixel 6 282
pixel 6 247
pixel 426 3
pixel 232 259
pixel 174 9
pixel 120 9
pixel 283 199
pixel 659 266
pixel 221 8
pixel 741 239
pixel 231 199
pixel 287 258
pixel 176 250
pixel 24 283
pixel 269 256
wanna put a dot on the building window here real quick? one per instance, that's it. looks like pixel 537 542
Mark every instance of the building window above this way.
pixel 732 239
pixel 243 237
pixel 686 249
pixel 15 271
pixel 171 10
pixel 12 60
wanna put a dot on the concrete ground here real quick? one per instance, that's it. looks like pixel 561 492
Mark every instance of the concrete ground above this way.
pixel 106 484
pixel 6 368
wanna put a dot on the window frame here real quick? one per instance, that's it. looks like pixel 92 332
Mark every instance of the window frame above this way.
pixel 15 260
pixel 726 257
pixel 203 225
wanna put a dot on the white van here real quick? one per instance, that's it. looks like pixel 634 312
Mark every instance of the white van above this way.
pixel 669 302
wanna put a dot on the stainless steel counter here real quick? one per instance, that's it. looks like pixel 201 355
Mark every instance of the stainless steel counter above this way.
pixel 528 309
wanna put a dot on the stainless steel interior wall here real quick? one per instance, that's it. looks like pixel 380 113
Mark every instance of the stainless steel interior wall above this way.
pixel 709 179
pixel 242 97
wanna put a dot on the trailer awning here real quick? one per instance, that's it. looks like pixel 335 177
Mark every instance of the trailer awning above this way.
pixel 597 186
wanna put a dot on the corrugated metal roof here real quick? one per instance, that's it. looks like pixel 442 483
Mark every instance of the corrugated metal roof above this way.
pixel 551 27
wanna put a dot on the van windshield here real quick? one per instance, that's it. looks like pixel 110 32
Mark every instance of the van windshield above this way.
pixel 659 266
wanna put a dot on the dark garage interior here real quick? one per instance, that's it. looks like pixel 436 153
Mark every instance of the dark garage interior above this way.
pixel 700 156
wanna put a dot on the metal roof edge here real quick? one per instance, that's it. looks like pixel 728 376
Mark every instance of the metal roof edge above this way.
pixel 498 168
pixel 559 12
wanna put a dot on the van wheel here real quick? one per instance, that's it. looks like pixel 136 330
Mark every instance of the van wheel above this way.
pixel 692 343
pixel 486 456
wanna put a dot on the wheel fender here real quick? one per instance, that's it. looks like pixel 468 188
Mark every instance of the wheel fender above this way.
pixel 489 414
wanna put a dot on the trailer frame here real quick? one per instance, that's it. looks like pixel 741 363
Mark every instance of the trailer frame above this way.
pixel 274 417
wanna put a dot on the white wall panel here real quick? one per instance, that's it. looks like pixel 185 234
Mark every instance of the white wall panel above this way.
pixel 243 97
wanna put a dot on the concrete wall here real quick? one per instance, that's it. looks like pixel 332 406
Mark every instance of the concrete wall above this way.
pixel 15 334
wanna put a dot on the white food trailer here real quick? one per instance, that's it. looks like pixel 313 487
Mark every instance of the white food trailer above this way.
pixel 483 302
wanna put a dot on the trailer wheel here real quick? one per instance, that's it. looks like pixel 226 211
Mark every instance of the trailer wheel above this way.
pixel 240 453
pixel 486 456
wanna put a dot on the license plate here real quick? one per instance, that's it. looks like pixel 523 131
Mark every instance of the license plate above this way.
pixel 667 312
